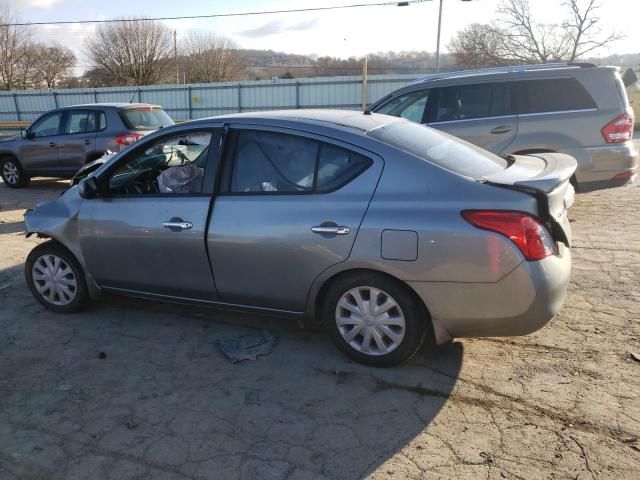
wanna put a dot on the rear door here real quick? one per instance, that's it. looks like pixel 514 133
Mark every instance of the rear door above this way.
pixel 39 154
pixel 78 139
pixel 290 207
pixel 479 113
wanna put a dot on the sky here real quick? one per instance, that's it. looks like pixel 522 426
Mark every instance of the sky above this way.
pixel 341 33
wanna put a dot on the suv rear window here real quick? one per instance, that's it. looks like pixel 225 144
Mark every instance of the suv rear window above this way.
pixel 552 95
pixel 145 118
pixel 440 148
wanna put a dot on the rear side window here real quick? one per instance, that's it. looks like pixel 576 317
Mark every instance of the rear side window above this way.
pixel 84 121
pixel 552 95
pixel 269 162
pixel 463 102
pixel 145 118
pixel 440 148
pixel 411 106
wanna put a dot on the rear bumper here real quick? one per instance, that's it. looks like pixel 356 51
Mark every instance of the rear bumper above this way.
pixel 521 303
pixel 604 167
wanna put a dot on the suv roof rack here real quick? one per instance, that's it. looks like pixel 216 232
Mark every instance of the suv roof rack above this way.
pixel 505 69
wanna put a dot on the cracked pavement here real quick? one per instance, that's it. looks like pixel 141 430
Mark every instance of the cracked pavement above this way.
pixel 164 403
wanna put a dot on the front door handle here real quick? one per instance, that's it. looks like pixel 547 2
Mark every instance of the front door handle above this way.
pixel 329 230
pixel 87 142
pixel 177 225
pixel 53 144
pixel 501 129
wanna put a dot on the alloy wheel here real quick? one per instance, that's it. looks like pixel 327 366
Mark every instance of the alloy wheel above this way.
pixel 10 172
pixel 370 320
pixel 54 279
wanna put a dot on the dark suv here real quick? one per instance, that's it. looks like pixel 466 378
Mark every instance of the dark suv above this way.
pixel 578 109
pixel 60 142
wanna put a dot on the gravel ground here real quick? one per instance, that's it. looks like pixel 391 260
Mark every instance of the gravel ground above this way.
pixel 163 402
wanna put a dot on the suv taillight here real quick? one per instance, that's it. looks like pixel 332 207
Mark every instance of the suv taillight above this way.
pixel 523 229
pixel 618 130
pixel 128 138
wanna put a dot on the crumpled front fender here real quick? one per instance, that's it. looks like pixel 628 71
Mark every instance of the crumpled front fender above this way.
pixel 58 220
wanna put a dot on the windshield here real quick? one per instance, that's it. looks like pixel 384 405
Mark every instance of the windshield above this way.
pixel 440 148
pixel 145 118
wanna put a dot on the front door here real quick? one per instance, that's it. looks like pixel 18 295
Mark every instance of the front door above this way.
pixel 78 139
pixel 289 208
pixel 39 153
pixel 146 230
pixel 480 114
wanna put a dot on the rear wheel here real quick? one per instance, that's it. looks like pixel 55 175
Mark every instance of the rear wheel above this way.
pixel 374 319
pixel 55 278
pixel 12 173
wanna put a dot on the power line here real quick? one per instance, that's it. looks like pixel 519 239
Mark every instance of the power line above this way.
pixel 219 15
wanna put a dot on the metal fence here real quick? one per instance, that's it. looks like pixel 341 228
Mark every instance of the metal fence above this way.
pixel 185 102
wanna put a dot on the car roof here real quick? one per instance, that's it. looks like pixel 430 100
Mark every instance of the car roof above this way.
pixel 114 105
pixel 344 118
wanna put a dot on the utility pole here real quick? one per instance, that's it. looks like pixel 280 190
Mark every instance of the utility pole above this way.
pixel 175 55
pixel 365 72
pixel 438 43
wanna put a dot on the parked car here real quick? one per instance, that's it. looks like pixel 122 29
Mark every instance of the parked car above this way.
pixel 578 109
pixel 385 230
pixel 60 142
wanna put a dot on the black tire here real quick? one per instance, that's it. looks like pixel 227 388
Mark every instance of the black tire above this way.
pixel 80 293
pixel 415 326
pixel 10 168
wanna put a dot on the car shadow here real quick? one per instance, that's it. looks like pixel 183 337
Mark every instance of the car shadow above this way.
pixel 11 227
pixel 145 383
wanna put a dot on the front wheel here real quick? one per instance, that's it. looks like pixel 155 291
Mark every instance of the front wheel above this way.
pixel 12 173
pixel 55 278
pixel 374 319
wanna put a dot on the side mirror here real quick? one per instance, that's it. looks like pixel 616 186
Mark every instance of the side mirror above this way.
pixel 26 134
pixel 88 188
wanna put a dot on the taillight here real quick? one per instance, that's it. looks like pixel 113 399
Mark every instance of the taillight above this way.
pixel 523 229
pixel 618 130
pixel 128 138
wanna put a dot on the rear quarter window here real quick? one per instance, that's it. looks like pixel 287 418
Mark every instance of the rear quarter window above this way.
pixel 551 95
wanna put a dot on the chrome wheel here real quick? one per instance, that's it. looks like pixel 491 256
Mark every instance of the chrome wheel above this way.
pixel 54 279
pixel 10 172
pixel 370 320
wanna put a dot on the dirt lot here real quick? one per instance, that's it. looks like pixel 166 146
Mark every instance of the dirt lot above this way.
pixel 166 404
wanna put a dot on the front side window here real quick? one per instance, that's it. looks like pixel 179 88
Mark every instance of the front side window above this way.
pixel 463 102
pixel 268 162
pixel 83 121
pixel 170 165
pixel 552 95
pixel 47 126
pixel 411 106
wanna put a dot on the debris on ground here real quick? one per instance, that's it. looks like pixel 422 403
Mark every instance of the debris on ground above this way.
pixel 65 387
pixel 634 356
pixel 248 347
pixel 102 355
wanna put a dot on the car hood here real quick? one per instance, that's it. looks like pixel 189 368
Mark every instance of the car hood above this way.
pixel 12 138
pixel 91 167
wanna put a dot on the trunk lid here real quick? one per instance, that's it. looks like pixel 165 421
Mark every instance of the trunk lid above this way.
pixel 547 176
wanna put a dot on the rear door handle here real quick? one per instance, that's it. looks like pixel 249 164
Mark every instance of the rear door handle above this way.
pixel 176 225
pixel 328 230
pixel 501 129
pixel 87 142
pixel 53 144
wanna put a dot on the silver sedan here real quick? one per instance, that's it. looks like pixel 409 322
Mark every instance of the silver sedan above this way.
pixel 386 231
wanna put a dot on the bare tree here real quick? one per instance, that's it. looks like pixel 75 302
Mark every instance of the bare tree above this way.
pixel 54 63
pixel 13 42
pixel 131 51
pixel 27 71
pixel 516 37
pixel 210 58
